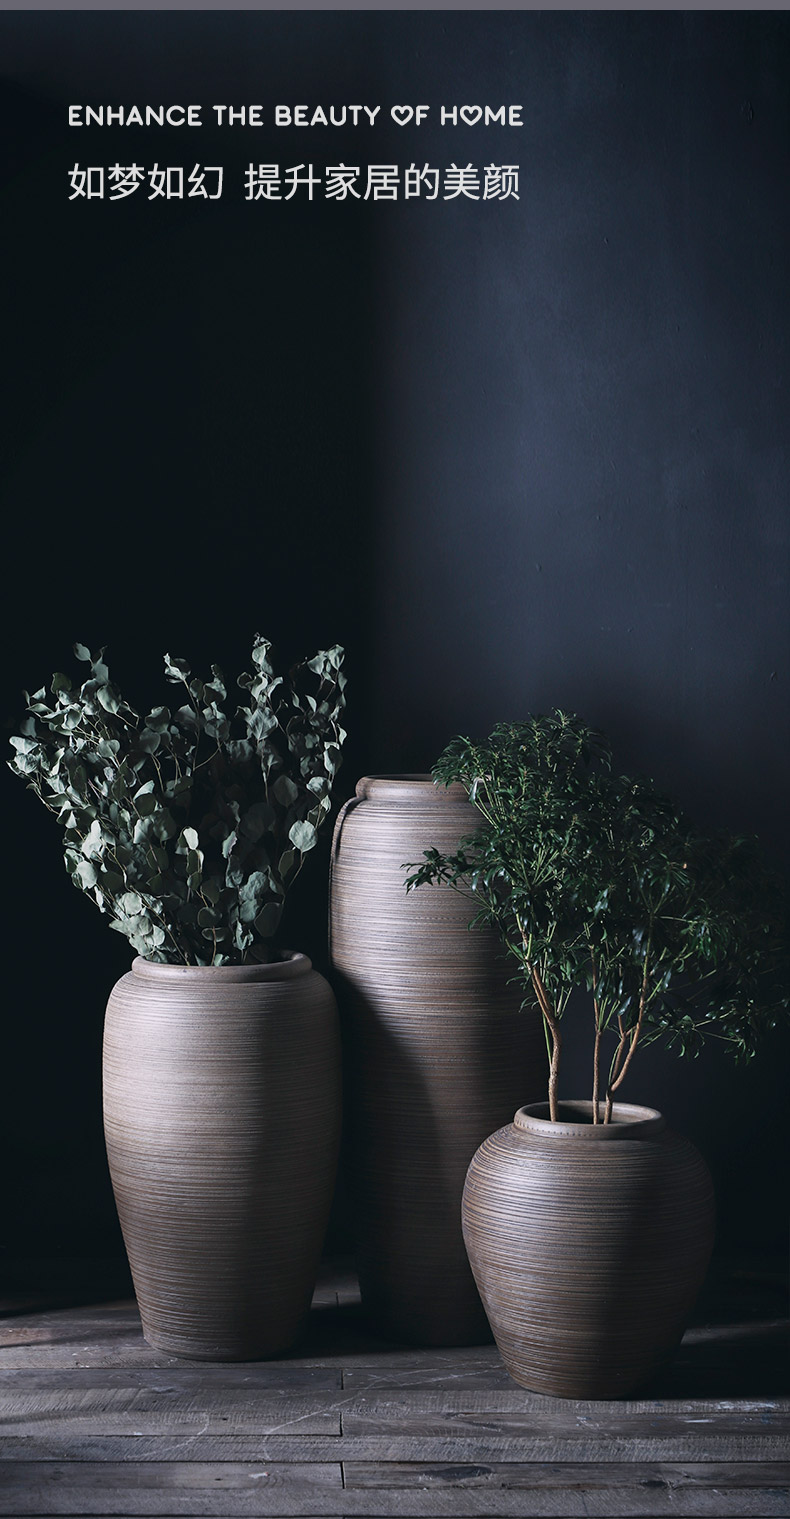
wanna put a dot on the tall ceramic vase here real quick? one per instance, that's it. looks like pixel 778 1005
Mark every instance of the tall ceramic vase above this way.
pixel 222 1117
pixel 589 1243
pixel 437 1050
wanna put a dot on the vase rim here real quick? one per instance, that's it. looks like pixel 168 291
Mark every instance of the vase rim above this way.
pixel 629 1121
pixel 406 787
pixel 292 964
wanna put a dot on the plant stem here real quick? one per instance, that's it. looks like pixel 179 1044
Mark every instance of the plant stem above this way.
pixel 619 1072
pixel 550 1023
pixel 546 1035
pixel 615 1066
pixel 556 1039
pixel 597 1044
pixel 554 1074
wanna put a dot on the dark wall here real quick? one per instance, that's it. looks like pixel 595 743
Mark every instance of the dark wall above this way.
pixel 512 455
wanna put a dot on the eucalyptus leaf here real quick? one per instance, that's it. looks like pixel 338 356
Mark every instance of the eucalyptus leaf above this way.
pixel 268 920
pixel 251 895
pixel 302 836
pixel 130 904
pixel 255 821
pixel 108 699
pixel 86 873
pixel 176 669
pixel 288 861
pixel 286 791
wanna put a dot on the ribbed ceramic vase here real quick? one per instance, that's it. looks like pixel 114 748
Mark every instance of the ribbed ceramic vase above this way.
pixel 437 1053
pixel 589 1243
pixel 222 1119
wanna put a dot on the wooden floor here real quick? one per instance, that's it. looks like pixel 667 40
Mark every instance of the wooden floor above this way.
pixel 95 1422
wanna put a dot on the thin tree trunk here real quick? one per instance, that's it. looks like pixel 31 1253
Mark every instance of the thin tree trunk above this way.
pixel 618 1055
pixel 619 1072
pixel 620 1078
pixel 596 1072
pixel 554 1074
pixel 556 1040
pixel 597 1044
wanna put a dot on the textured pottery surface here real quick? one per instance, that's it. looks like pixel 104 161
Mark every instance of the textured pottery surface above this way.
pixel 589 1244
pixel 222 1118
pixel 437 1053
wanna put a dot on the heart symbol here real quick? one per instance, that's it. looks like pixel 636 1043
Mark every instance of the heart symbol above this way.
pixel 471 114
pixel 402 113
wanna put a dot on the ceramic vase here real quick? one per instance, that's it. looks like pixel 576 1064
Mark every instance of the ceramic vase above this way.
pixel 222 1117
pixel 437 1052
pixel 589 1243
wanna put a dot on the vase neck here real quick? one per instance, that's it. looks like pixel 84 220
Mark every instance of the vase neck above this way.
pixel 628 1121
pixel 287 969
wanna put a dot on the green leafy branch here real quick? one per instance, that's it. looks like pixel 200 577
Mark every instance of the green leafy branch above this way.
pixel 599 881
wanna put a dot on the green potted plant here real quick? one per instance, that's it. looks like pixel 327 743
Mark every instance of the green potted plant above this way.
pixel 187 827
pixel 597 882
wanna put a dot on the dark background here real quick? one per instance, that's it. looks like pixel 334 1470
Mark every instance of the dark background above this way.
pixel 512 455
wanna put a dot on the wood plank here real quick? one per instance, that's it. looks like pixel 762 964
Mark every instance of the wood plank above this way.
pixel 630 1503
pixel 618 1504
pixel 77 1411
pixel 120 1395
pixel 455 1449
pixel 65 1339
pixel 373 1467
pixel 332 1382
pixel 109 1335
pixel 267 1489
pixel 68 1322
pixel 476 1366
pixel 269 1376
pixel 729 1359
pixel 227 1402
pixel 181 1426
pixel 719 1354
pixel 155 1489
pixel 731 1366
pixel 535 1474
pixel 424 1406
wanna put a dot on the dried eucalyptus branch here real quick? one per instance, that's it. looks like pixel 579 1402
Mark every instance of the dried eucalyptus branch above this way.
pixel 187 827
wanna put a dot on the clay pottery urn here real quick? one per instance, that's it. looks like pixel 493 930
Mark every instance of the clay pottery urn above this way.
pixel 589 1243
pixel 222 1118
pixel 437 1052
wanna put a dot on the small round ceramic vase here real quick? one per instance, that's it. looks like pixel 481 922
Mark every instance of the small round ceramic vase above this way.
pixel 588 1243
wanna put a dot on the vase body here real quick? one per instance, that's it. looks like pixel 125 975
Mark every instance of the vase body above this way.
pixel 589 1244
pixel 436 1049
pixel 222 1118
